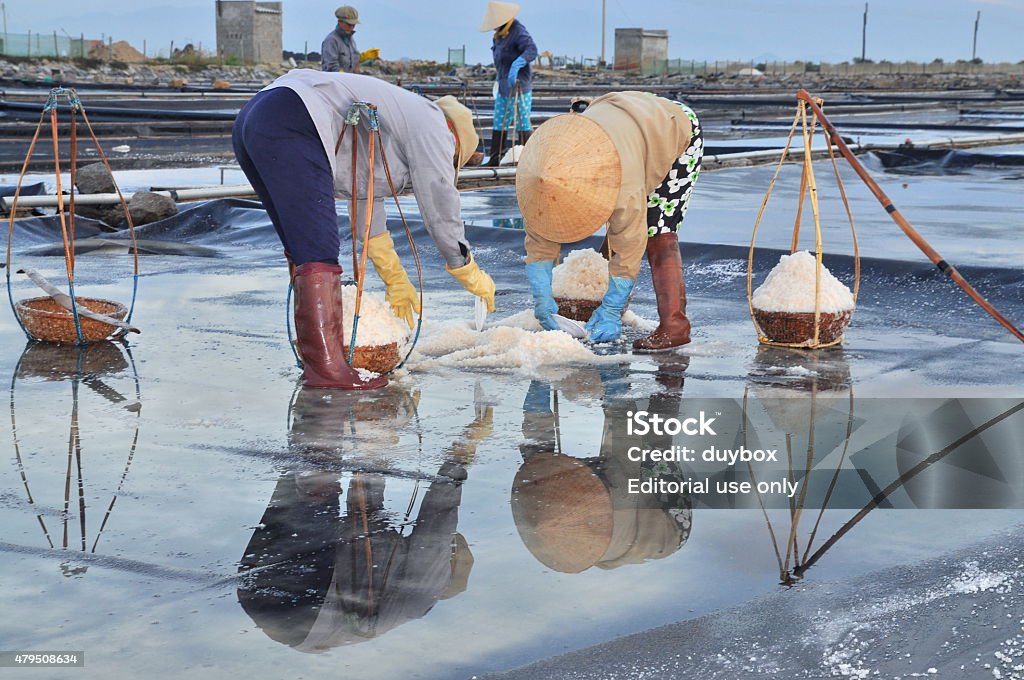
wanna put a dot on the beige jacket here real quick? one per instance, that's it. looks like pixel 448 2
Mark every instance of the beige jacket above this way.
pixel 649 133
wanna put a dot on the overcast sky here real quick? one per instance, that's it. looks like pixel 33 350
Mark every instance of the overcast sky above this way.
pixel 761 30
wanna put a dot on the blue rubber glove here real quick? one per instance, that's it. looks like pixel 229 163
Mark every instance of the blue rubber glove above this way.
pixel 605 323
pixel 513 70
pixel 544 305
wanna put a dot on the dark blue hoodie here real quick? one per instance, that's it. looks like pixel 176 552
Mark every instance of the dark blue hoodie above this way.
pixel 517 43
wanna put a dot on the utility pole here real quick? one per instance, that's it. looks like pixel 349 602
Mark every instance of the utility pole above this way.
pixel 604 12
pixel 974 49
pixel 864 36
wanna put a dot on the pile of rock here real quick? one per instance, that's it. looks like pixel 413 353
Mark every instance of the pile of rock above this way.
pixel 144 206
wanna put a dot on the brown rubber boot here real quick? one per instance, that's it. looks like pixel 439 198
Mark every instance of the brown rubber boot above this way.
pixel 295 302
pixel 497 143
pixel 670 290
pixel 319 328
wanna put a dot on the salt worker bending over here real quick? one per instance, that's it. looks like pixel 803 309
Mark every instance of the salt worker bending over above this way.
pixel 630 160
pixel 286 140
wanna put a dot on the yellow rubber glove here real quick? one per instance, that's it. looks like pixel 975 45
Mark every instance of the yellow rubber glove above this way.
pixel 369 55
pixel 400 292
pixel 475 280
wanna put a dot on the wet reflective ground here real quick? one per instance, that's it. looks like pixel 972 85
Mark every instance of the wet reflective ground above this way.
pixel 187 506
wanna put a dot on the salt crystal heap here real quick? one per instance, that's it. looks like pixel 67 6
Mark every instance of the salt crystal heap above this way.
pixel 378 325
pixel 583 275
pixel 789 287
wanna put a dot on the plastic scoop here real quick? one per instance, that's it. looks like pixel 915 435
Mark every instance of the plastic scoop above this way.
pixel 480 314
pixel 572 327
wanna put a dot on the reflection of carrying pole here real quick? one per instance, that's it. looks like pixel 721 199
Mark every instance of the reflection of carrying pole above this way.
pixel 900 481
pixel 911 233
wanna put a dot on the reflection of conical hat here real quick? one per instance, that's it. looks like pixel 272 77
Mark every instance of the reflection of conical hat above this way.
pixel 498 14
pixel 563 512
pixel 568 179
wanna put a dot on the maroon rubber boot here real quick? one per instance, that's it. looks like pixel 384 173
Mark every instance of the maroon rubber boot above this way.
pixel 670 290
pixel 320 328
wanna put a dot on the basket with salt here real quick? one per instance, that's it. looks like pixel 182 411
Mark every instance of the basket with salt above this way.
pixel 47 321
pixel 800 303
pixel 579 283
pixel 64 318
pixel 379 334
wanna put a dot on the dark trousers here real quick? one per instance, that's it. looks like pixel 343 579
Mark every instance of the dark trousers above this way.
pixel 282 156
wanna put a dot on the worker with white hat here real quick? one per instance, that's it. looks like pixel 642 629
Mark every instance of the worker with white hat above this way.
pixel 338 52
pixel 629 160
pixel 513 49
pixel 287 141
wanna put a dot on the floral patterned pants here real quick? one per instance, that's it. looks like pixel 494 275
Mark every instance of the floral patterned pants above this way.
pixel 666 205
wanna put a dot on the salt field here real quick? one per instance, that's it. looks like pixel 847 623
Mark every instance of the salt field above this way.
pixel 186 504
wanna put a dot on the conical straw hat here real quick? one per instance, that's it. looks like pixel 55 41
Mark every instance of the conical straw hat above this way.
pixel 568 179
pixel 498 14
pixel 563 512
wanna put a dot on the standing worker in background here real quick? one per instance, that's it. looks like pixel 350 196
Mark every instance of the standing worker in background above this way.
pixel 513 50
pixel 287 141
pixel 339 53
pixel 630 160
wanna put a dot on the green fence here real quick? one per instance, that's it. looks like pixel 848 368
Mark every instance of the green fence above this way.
pixel 42 45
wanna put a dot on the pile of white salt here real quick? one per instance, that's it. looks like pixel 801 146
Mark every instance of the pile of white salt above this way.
pixel 790 285
pixel 378 325
pixel 583 275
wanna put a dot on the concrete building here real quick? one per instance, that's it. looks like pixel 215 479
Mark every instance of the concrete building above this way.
pixel 640 48
pixel 249 31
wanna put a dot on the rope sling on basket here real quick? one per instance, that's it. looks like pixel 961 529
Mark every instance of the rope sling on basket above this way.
pixel 381 359
pixel 818 327
pixel 59 317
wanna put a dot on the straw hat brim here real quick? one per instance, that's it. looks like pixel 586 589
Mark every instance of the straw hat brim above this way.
pixel 563 512
pixel 498 14
pixel 568 179
pixel 462 120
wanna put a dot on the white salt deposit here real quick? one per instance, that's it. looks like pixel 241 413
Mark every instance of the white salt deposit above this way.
pixel 506 346
pixel 789 287
pixel 583 275
pixel 378 325
pixel 512 156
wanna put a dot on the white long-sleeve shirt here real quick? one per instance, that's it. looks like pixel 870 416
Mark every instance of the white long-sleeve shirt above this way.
pixel 419 146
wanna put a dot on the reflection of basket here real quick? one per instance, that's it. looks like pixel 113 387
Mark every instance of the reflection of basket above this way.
pixel 47 321
pixel 577 310
pixel 53 362
pixel 798 327
pixel 376 358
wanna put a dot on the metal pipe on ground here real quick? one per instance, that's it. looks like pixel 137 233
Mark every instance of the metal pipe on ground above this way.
pixel 229 191
pixel 710 161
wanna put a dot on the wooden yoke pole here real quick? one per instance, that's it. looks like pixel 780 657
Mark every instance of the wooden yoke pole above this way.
pixel 911 233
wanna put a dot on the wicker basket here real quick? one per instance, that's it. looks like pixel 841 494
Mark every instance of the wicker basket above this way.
pixel 47 321
pixel 577 310
pixel 377 358
pixel 797 328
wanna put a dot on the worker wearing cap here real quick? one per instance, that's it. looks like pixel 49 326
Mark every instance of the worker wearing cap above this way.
pixel 287 141
pixel 629 160
pixel 339 53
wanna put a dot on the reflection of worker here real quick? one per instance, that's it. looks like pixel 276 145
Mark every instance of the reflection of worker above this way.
pixel 513 49
pixel 575 513
pixel 322 572
pixel 338 51
pixel 630 160
pixel 287 141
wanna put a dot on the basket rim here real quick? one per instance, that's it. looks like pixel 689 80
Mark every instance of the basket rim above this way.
pixel 568 299
pixel 758 310
pixel 25 306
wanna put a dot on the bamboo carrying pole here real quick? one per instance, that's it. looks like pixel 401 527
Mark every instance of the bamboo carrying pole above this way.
pixel 903 224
